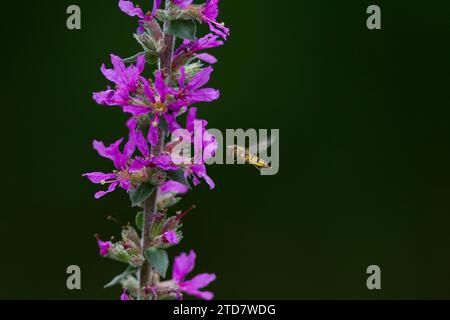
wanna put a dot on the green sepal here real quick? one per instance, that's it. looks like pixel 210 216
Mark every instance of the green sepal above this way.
pixel 140 194
pixel 139 220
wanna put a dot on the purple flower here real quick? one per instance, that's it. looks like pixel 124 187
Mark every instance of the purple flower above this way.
pixel 171 237
pixel 189 49
pixel 201 137
pixel 104 247
pixel 129 8
pixel 124 296
pixel 137 138
pixel 183 265
pixel 123 76
pixel 134 11
pixel 163 162
pixel 120 160
pixel 188 94
pixel 155 102
pixel 198 172
pixel 209 14
pixel 127 80
pixel 205 146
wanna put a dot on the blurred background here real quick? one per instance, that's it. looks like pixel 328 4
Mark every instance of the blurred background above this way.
pixel 365 148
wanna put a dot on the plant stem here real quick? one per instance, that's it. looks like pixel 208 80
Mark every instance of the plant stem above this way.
pixel 146 271
pixel 165 64
pixel 146 275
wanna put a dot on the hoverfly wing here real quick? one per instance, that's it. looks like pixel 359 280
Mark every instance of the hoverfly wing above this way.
pixel 262 147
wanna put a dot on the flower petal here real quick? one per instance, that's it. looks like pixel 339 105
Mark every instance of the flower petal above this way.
pixel 99 177
pixel 200 79
pixel 111 188
pixel 160 86
pixel 203 95
pixel 164 162
pixel 173 187
pixel 207 58
pixel 129 8
pixel 183 264
pixel 200 281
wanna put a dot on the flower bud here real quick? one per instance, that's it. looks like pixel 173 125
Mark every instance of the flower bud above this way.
pixel 154 30
pixel 157 227
pixel 137 260
pixel 119 253
pixel 191 70
pixel 129 233
pixel 146 42
pixel 167 200
pixel 171 223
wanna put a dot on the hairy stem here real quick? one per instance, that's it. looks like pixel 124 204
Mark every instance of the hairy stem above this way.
pixel 146 275
pixel 146 272
pixel 165 64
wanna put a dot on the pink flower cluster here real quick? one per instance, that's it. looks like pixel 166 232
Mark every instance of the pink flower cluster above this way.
pixel 156 101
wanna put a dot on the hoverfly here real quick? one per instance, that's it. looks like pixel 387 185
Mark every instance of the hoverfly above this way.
pixel 243 154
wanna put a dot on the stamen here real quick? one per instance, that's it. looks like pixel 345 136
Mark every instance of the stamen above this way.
pixel 182 215
pixel 111 218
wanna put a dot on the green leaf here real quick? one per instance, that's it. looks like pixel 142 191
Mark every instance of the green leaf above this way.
pixel 140 194
pixel 158 259
pixel 178 176
pixel 139 220
pixel 184 29
pixel 117 279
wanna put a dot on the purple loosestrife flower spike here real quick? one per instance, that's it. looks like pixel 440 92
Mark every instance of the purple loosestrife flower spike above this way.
pixel 147 162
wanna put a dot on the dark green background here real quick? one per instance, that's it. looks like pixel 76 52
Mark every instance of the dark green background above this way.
pixel 365 150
